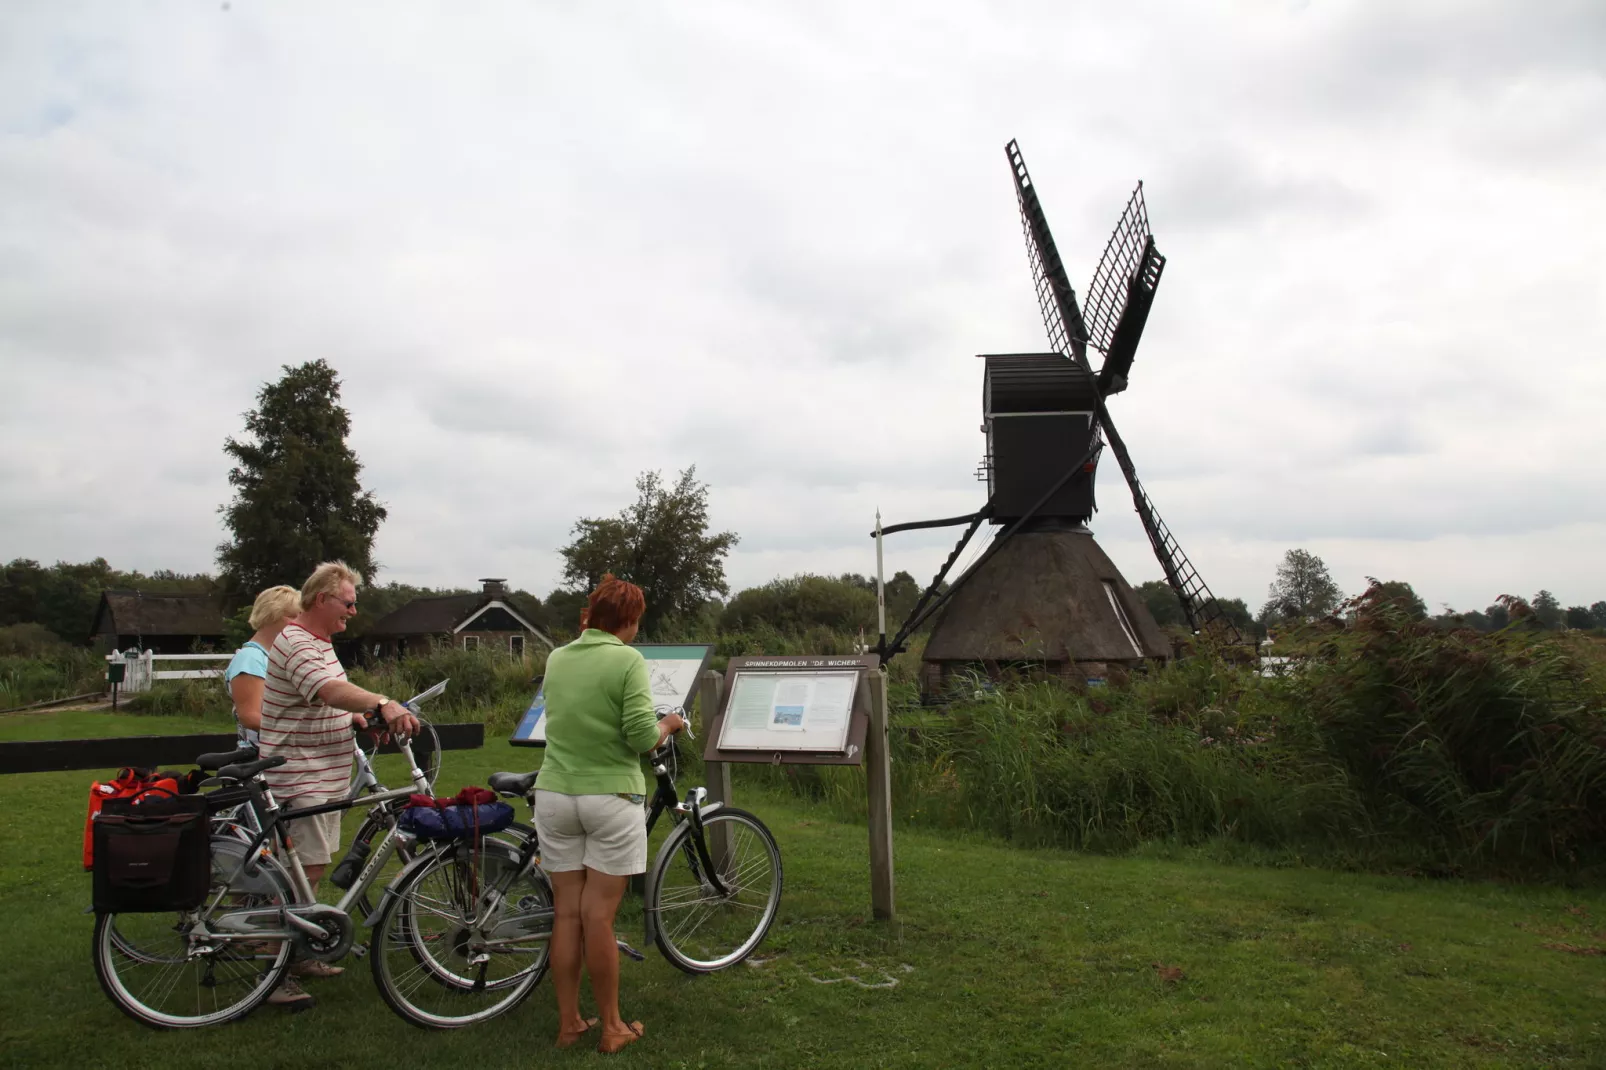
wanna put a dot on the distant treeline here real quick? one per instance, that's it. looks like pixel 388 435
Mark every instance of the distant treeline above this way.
pixel 61 599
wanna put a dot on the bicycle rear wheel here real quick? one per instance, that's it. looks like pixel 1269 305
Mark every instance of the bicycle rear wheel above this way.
pixel 443 957
pixel 148 966
pixel 698 929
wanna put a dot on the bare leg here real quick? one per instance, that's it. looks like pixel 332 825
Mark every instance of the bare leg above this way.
pixel 567 891
pixel 598 906
pixel 314 874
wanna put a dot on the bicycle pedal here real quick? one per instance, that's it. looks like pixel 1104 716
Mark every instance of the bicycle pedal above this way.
pixel 630 951
pixel 358 951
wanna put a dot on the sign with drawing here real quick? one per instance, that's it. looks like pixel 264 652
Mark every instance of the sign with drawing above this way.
pixel 810 710
pixel 672 672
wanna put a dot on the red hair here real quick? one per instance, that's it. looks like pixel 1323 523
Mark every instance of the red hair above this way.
pixel 614 606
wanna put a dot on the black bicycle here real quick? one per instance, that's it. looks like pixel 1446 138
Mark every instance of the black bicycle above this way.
pixel 453 935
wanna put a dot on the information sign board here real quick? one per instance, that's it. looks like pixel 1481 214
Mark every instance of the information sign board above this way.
pixel 672 671
pixel 809 710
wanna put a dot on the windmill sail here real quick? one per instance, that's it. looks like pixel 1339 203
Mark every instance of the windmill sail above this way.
pixel 1130 249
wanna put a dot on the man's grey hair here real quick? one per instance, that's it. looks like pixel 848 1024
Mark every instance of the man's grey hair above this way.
pixel 326 579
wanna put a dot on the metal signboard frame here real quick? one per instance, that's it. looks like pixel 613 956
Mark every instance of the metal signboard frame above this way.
pixel 778 749
pixel 531 729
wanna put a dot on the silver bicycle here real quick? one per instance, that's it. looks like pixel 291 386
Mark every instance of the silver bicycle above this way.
pixel 220 961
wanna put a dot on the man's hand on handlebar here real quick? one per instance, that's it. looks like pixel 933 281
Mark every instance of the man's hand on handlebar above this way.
pixel 391 718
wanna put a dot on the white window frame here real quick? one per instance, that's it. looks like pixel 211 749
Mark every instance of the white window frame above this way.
pixel 516 637
pixel 471 642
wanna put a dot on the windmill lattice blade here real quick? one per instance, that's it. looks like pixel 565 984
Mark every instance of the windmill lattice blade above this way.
pixel 1123 253
pixel 1204 613
pixel 1067 333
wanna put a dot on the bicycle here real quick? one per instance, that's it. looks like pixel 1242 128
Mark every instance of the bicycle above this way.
pixel 239 820
pixel 220 961
pixel 718 864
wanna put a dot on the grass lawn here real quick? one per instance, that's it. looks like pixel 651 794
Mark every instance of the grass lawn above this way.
pixel 1002 957
pixel 96 724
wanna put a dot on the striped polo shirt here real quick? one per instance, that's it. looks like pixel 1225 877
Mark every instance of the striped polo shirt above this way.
pixel 316 738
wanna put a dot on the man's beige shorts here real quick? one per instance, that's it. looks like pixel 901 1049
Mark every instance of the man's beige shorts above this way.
pixel 607 833
pixel 315 837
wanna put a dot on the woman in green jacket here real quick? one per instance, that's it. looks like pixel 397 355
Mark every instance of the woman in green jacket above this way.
pixel 589 801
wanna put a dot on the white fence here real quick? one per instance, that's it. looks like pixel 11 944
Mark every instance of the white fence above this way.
pixel 140 668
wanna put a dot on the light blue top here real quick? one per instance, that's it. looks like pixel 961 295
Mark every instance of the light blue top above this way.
pixel 252 660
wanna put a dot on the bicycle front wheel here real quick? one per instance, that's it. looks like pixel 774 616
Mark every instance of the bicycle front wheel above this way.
pixel 461 943
pixel 152 970
pixel 699 927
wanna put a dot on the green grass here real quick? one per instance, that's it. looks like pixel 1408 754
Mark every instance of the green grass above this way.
pixel 1003 957
pixel 93 724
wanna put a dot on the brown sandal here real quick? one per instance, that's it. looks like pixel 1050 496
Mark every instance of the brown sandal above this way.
pixel 569 1040
pixel 617 1042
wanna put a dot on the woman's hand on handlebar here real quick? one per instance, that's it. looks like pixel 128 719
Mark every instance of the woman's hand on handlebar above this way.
pixel 669 725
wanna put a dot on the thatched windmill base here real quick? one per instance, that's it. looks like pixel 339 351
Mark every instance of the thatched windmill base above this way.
pixel 1047 603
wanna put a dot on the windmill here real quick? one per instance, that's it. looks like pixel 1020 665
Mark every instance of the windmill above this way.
pixel 1043 592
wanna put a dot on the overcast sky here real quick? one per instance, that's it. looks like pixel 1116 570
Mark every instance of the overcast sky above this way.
pixel 551 245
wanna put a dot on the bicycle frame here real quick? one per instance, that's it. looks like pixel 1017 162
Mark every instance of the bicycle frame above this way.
pixel 270 817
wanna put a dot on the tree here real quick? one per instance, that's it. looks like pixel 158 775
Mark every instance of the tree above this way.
pixel 297 498
pixel 1580 617
pixel 1237 611
pixel 1303 589
pixel 660 543
pixel 1598 612
pixel 1161 602
pixel 1498 616
pixel 1401 595
pixel 1547 610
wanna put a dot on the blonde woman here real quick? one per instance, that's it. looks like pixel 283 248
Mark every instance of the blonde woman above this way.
pixel 246 674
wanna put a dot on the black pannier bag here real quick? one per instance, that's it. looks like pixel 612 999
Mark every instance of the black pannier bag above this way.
pixel 153 855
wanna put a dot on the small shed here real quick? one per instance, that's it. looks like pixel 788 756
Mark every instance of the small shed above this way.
pixel 161 623
pixel 470 621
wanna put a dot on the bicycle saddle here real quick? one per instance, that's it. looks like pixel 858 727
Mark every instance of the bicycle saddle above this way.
pixel 512 783
pixel 213 762
pixel 247 770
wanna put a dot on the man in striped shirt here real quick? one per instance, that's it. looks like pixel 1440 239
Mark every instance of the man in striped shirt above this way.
pixel 309 709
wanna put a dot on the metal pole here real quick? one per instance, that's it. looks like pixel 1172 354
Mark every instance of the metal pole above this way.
pixel 880 586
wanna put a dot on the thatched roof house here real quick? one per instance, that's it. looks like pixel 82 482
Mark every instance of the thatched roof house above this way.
pixel 1048 601
pixel 164 623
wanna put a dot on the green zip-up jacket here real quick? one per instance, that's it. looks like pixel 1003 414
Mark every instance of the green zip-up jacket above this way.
pixel 599 717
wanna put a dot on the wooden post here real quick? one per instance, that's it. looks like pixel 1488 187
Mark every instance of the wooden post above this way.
pixel 878 778
pixel 718 773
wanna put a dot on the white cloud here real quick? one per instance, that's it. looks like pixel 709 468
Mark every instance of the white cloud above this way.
pixel 548 248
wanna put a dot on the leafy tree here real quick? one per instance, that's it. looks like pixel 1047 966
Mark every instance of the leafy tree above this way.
pixel 1580 617
pixel 660 543
pixel 1547 610
pixel 1303 589
pixel 1472 618
pixel 563 611
pixel 64 596
pixel 1498 616
pixel 297 498
pixel 1161 602
pixel 1598 612
pixel 1237 611
pixel 792 605
pixel 1400 594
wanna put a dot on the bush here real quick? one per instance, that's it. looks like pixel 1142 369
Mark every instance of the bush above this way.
pixel 486 685
pixel 1485 748
pixel 1393 743
pixel 52 670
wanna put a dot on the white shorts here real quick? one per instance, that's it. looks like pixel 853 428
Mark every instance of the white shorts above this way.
pixel 316 837
pixel 607 833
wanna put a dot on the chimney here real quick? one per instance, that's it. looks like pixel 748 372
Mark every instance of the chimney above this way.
pixel 494 588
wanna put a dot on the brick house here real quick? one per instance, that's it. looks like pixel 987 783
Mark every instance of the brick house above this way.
pixel 483 621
